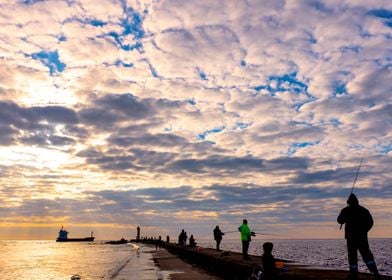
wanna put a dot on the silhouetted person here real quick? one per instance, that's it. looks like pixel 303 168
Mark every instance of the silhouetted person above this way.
pixel 218 237
pixel 268 262
pixel 158 243
pixel 167 239
pixel 182 238
pixel 245 238
pixel 192 241
pixel 358 222
pixel 185 238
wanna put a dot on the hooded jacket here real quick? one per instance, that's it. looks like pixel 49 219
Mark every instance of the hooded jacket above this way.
pixel 245 232
pixel 357 219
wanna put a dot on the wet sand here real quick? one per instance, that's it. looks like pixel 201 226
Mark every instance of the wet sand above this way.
pixel 178 269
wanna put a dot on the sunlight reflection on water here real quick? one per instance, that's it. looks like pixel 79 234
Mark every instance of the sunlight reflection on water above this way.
pixel 38 260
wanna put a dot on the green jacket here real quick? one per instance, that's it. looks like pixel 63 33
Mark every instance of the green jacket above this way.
pixel 245 232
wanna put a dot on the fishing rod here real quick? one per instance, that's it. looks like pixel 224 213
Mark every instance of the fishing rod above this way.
pixel 356 177
pixel 260 233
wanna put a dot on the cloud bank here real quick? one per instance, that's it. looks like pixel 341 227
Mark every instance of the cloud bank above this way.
pixel 166 113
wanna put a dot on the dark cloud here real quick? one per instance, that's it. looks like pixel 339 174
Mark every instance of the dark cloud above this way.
pixel 126 104
pixel 112 108
pixel 7 135
pixel 37 124
pixel 162 140
pixel 152 159
pixel 98 117
pixel 135 159
pixel 288 163
pixel 213 163
pixel 51 114
pixel 340 176
pixel 226 165
pixel 295 203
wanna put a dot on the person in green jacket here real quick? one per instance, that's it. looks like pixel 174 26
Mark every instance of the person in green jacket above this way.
pixel 245 238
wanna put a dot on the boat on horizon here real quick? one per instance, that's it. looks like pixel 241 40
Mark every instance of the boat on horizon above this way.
pixel 63 237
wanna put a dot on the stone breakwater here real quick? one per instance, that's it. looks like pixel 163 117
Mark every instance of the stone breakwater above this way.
pixel 231 265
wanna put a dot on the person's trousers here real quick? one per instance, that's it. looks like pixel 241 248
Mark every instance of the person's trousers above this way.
pixel 218 241
pixel 360 244
pixel 245 247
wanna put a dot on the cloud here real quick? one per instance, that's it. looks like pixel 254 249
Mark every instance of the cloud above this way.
pixel 188 107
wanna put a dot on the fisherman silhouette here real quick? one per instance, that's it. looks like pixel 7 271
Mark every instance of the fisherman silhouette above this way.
pixel 218 237
pixel 246 234
pixel 192 241
pixel 182 238
pixel 358 222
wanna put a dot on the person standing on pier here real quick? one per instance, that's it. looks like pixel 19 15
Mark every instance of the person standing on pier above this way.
pixel 245 238
pixel 218 237
pixel 358 222
pixel 182 238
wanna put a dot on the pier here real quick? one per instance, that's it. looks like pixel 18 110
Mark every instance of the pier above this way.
pixel 231 265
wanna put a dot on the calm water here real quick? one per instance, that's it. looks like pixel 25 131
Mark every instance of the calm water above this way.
pixel 320 253
pixel 38 260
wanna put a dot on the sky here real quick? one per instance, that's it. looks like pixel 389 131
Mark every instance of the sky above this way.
pixel 172 114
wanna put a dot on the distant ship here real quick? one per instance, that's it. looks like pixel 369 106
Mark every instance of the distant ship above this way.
pixel 63 237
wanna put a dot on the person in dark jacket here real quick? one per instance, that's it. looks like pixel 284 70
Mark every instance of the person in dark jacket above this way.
pixel 192 242
pixel 268 262
pixel 358 221
pixel 218 237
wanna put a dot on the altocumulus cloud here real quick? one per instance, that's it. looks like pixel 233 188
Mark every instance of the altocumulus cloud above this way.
pixel 141 111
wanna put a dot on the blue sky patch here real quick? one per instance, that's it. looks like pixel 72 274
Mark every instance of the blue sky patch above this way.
pixel 212 131
pixel 242 125
pixel 191 101
pixel 339 88
pixel 123 64
pixel 294 147
pixel 336 122
pixel 384 15
pixel 97 23
pixel 50 60
pixel 62 38
pixel 132 24
pixel 202 75
pixel 381 13
pixel 31 2
pixel 385 149
pixel 350 48
pixel 287 82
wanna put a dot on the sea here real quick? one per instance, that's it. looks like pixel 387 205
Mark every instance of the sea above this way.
pixel 36 260
pixel 39 260
pixel 320 253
